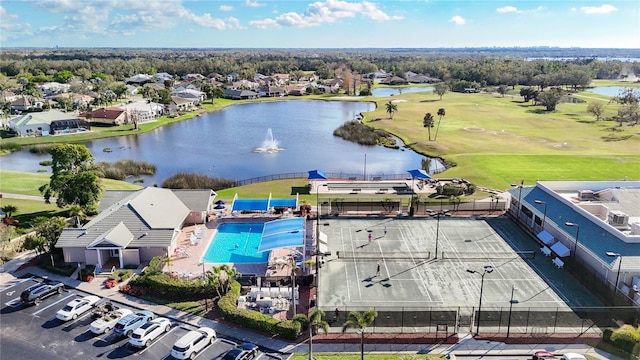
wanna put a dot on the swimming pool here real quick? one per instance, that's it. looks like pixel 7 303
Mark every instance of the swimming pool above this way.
pixel 238 244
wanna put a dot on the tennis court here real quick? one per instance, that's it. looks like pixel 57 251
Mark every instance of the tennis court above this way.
pixel 412 279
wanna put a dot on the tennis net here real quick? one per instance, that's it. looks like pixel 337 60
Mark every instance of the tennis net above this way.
pixel 364 255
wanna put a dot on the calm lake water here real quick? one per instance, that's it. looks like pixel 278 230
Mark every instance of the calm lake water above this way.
pixel 223 143
pixel 608 90
pixel 386 91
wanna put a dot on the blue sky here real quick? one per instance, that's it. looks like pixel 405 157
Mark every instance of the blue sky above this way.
pixel 319 24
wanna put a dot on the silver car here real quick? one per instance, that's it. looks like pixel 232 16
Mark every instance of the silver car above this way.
pixel 145 334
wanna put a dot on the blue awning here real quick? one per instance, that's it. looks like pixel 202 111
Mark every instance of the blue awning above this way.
pixel 283 233
pixel 317 175
pixel 291 203
pixel 419 174
pixel 250 205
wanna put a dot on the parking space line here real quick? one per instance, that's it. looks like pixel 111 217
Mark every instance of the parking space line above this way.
pixel 158 339
pixel 16 284
pixel 50 305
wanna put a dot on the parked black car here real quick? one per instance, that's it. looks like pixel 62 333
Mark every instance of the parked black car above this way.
pixel 34 294
pixel 244 351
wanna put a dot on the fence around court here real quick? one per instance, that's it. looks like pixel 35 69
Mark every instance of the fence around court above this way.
pixel 492 320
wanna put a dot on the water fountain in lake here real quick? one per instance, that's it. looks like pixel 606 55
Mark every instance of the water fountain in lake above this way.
pixel 269 145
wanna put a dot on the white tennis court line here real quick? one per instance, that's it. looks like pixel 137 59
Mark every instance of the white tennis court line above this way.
pixel 346 273
pixel 539 273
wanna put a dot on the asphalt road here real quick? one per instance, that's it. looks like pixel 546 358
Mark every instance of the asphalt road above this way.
pixel 34 333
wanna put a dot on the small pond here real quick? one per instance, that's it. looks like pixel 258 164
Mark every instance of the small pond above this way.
pixel 250 140
pixel 388 91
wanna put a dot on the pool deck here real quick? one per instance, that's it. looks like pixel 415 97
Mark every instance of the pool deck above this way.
pixel 191 266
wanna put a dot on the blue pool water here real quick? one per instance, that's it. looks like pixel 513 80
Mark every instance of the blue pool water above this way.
pixel 247 238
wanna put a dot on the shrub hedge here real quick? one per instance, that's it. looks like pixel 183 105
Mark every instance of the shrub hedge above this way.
pixel 159 284
pixel 252 319
pixel 625 338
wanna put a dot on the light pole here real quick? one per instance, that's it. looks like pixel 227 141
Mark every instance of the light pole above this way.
pixel 511 302
pixel 487 269
pixel 519 197
pixel 575 243
pixel 441 212
pixel 318 229
pixel 614 254
pixel 544 217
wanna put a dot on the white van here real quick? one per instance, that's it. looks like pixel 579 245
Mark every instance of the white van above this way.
pixel 188 346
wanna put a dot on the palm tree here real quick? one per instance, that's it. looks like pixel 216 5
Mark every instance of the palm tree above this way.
pixel 78 215
pixel 359 321
pixel 313 320
pixel 391 109
pixel 428 123
pixel 441 114
pixel 9 210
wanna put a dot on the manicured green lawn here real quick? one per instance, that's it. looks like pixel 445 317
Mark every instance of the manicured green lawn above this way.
pixel 28 183
pixel 496 141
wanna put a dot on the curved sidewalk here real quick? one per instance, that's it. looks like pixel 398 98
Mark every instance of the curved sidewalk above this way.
pixel 466 347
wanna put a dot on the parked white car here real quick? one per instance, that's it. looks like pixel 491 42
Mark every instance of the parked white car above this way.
pixel 188 346
pixel 77 307
pixel 108 321
pixel 129 323
pixel 145 334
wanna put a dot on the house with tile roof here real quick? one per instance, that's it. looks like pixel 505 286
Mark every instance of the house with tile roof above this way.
pixel 44 123
pixel 133 226
pixel 108 116
pixel 595 223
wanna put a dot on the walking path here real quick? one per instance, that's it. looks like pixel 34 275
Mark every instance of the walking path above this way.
pixel 466 347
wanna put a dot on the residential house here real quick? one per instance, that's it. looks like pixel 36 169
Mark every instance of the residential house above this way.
pixel 380 74
pixel 25 102
pixel 155 86
pixel 142 111
pixel 280 79
pixel 139 79
pixel 181 104
pixel 233 76
pixel 245 84
pixel 109 116
pixel 134 226
pixel 132 90
pixel 196 96
pixel 193 77
pixel 161 77
pixel 422 79
pixel 45 123
pixel 297 90
pixel 409 74
pixel 77 100
pixel 394 80
pixel 272 91
pixel 217 77
pixel 240 94
pixel 331 86
pixel 52 88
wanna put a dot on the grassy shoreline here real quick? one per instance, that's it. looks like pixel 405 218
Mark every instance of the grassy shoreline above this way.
pixel 493 141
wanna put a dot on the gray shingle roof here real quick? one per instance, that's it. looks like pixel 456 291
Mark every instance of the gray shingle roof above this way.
pixel 149 217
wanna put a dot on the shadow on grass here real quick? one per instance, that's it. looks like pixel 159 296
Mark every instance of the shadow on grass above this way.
pixel 612 137
pixel 429 100
pixel 538 111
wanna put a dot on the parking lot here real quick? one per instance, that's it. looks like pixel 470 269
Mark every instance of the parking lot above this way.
pixel 34 332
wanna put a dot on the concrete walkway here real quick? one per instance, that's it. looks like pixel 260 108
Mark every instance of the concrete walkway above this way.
pixel 466 347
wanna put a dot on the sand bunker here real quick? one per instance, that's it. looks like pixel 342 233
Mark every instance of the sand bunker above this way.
pixel 474 129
